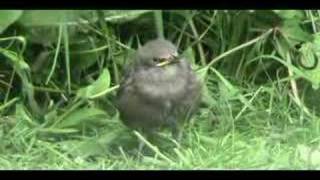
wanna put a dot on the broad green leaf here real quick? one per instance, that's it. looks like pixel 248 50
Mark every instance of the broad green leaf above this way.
pixel 52 17
pixel 264 18
pixel 71 17
pixel 7 17
pixel 42 25
pixel 314 74
pixel 295 34
pixel 85 54
pixel 98 87
pixel 49 34
pixel 290 14
pixel 82 115
pixel 184 13
pixel 121 16
pixel 309 52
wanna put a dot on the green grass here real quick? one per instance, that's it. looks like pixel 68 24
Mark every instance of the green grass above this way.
pixel 271 137
pixel 259 111
pixel 259 143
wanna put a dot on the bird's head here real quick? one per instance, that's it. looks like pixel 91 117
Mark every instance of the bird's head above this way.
pixel 158 53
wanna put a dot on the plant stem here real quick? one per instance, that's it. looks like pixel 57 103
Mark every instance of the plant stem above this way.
pixel 159 23
pixel 240 47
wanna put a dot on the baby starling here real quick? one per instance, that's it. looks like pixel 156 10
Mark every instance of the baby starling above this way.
pixel 159 89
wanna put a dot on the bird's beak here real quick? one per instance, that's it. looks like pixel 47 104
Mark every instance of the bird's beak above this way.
pixel 173 59
pixel 166 62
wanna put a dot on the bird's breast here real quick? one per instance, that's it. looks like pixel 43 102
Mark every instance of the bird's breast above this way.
pixel 162 83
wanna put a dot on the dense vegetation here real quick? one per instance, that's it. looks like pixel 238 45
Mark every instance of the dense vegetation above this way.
pixel 59 71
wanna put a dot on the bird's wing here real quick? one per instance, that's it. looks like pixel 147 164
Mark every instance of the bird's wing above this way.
pixel 127 79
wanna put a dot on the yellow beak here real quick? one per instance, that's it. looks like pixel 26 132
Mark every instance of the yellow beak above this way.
pixel 166 62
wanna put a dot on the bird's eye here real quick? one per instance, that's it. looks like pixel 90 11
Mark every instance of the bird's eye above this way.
pixel 159 59
pixel 175 57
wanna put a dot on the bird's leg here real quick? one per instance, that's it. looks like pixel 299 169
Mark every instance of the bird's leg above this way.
pixel 175 129
pixel 141 146
pixel 149 135
pixel 178 134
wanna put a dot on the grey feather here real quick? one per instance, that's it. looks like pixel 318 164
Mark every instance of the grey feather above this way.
pixel 151 97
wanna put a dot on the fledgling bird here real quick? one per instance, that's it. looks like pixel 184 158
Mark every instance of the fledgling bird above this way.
pixel 159 89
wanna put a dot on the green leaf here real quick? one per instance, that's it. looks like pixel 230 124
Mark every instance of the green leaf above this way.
pixel 189 54
pixel 295 34
pixel 58 131
pixel 42 25
pixel 311 97
pixel 24 116
pixel 121 16
pixel 52 17
pixel 98 87
pixel 51 116
pixel 290 14
pixel 231 91
pixel 309 155
pixel 17 62
pixel 85 54
pixel 8 104
pixel 23 70
pixel 309 52
pixel 83 115
pixel 70 17
pixel 7 17
pixel 84 148
pixel 184 13
pixel 264 18
pixel 282 46
pixel 49 34
pixel 202 76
